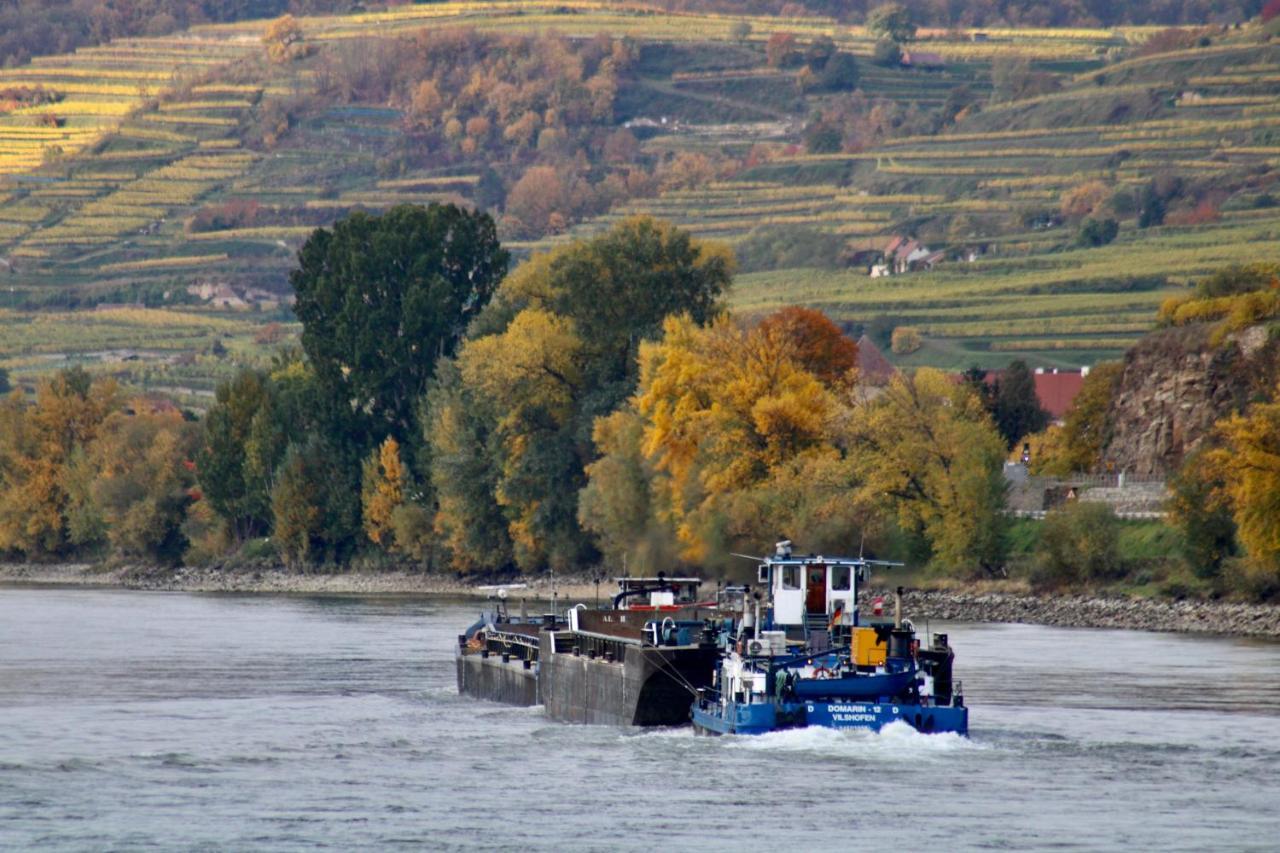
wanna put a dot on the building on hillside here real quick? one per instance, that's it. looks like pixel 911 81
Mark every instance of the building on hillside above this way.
pixel 874 369
pixel 1056 389
pixel 906 254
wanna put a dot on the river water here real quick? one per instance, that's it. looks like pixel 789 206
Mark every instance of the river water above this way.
pixel 171 721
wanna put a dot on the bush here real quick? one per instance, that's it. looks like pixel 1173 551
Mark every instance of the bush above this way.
pixel 905 340
pixel 1079 544
pixel 839 74
pixel 1097 232
pixel 886 53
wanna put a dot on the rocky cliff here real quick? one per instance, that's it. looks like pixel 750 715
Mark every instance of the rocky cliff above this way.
pixel 1176 383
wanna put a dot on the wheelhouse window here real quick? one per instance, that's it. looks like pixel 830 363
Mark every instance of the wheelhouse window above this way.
pixel 839 578
pixel 790 577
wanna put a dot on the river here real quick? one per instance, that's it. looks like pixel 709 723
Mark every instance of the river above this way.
pixel 174 721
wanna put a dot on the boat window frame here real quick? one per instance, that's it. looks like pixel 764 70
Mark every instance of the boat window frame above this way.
pixel 839 569
pixel 791 577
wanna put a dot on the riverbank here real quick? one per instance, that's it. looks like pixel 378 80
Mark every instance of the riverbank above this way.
pixel 1078 611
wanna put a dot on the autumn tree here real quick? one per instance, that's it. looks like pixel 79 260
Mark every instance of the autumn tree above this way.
pixel 283 40
pixel 817 344
pixel 556 350
pixel 382 491
pixel 143 481
pixel 1248 464
pixel 906 340
pixel 928 448
pixel 780 50
pixel 1086 429
pixel 724 406
pixel 1199 508
pixel 37 444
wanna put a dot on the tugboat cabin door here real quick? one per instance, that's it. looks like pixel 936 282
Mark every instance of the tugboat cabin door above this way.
pixel 815 591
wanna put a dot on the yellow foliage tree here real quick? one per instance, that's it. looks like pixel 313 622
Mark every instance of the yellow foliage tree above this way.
pixel 724 407
pixel 528 375
pixel 36 444
pixel 928 446
pixel 382 492
pixel 1248 463
pixel 283 40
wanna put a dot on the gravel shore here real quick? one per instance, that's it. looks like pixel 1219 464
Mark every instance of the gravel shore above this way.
pixel 1081 611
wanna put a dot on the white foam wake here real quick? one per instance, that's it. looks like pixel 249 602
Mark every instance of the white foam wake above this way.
pixel 895 741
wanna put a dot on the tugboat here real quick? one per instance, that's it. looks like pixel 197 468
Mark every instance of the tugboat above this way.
pixel 812 661
pixel 640 663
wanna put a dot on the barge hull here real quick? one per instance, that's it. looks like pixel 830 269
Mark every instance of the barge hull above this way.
pixel 652 686
pixel 490 679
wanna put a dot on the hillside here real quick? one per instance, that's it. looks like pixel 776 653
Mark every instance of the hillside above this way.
pixel 162 170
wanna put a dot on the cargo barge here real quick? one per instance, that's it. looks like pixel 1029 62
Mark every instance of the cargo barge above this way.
pixel 639 664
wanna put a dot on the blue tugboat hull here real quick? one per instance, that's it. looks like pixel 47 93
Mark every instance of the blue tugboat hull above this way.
pixel 876 715
pixel 764 717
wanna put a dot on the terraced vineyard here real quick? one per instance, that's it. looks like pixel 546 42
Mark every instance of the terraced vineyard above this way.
pixel 100 188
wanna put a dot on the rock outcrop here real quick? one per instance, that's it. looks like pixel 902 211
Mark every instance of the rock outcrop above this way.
pixel 1176 384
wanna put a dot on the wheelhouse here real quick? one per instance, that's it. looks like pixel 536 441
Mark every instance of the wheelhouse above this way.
pixel 813 590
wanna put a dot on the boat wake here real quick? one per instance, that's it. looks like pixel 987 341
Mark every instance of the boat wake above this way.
pixel 894 741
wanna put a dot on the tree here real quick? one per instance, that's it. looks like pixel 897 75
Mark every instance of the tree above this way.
pixel 1015 406
pixel 618 288
pixel 780 50
pixel 1084 199
pixel 819 53
pixel 235 487
pixel 740 31
pixel 724 407
pixel 315 504
pixel 816 343
pixel 1078 544
pixel 906 340
pixel 557 349
pixel 839 73
pixel 381 298
pixel 144 481
pixel 1097 232
pixel 822 138
pixel 927 447
pixel 382 491
pixel 886 53
pixel 37 446
pixel 283 40
pixel 5 387
pixel 1086 430
pixel 1248 464
pixel 1198 508
pixel 891 21
pixel 1151 207
pixel 466 452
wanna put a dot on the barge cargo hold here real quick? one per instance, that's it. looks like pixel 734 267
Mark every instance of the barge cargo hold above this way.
pixel 605 670
pixel 639 664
